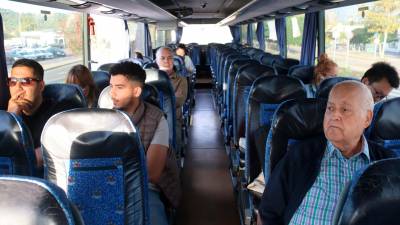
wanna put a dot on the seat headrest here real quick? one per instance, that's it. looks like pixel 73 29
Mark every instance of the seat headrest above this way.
pixel 106 67
pixel 68 96
pixel 150 65
pixel 385 124
pixel 248 73
pixel 274 89
pixel 16 144
pixel 134 60
pixel 31 201
pixel 149 94
pixel 303 73
pixel 327 84
pixel 374 195
pixel 269 59
pixel 101 79
pixel 297 119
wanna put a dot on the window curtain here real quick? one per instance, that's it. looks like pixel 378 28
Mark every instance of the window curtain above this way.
pixel 4 93
pixel 235 31
pixel 147 39
pixel 129 42
pixel 280 25
pixel 308 44
pixel 260 35
pixel 250 34
pixel 179 31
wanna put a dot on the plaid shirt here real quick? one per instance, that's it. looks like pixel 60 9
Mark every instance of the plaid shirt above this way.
pixel 318 205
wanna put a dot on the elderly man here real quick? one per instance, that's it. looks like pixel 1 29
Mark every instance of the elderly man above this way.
pixel 305 186
pixel 165 61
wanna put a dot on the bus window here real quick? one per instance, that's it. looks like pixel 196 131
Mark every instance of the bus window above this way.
pixel 198 33
pixel 243 31
pixel 53 37
pixel 294 34
pixel 110 41
pixel 360 35
pixel 255 40
pixel 164 37
pixel 271 43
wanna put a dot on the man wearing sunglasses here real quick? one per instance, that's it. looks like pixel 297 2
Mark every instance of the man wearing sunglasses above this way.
pixel 26 86
pixel 381 78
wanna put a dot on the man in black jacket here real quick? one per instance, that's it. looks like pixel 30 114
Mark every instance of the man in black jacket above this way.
pixel 305 186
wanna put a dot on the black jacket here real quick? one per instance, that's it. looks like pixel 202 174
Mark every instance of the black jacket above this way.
pixel 295 174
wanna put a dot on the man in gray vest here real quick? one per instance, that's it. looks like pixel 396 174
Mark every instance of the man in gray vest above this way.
pixel 127 81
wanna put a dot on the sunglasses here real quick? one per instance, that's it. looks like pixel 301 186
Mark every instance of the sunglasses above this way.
pixel 25 81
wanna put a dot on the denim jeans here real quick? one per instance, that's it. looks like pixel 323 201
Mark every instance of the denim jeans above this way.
pixel 157 209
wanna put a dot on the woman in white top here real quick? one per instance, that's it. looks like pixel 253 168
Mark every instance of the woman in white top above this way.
pixel 182 52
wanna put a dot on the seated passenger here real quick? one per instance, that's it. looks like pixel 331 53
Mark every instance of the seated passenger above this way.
pixel 381 78
pixel 165 61
pixel 181 51
pixel 127 80
pixel 80 75
pixel 305 186
pixel 324 69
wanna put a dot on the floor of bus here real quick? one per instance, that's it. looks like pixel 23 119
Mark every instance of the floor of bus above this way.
pixel 207 188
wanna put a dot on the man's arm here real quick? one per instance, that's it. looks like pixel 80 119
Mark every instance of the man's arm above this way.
pixel 156 155
pixel 181 92
pixel 274 199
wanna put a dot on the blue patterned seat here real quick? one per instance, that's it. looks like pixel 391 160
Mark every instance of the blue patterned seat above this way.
pixel 96 157
pixel 33 201
pixel 17 154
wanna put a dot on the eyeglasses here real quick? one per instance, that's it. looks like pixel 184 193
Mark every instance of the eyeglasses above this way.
pixel 25 81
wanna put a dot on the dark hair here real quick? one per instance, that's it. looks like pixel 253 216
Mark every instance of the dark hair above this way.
pixel 381 70
pixel 138 55
pixel 130 70
pixel 182 46
pixel 80 74
pixel 37 68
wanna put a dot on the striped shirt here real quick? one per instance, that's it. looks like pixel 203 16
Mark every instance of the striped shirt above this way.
pixel 318 205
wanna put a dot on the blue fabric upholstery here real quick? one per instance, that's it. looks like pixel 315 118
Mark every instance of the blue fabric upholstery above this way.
pixel 32 201
pixel 385 125
pixel 96 156
pixel 180 66
pixel 147 39
pixel 280 26
pixel 265 96
pixel 294 120
pixel 250 34
pixel 235 31
pixel 16 147
pixel 260 35
pixel 372 197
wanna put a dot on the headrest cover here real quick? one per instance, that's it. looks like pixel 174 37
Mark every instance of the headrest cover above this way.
pixel 327 84
pixel 106 67
pixel 374 195
pixel 101 79
pixel 274 89
pixel 303 73
pixel 250 72
pixel 68 96
pixel 386 124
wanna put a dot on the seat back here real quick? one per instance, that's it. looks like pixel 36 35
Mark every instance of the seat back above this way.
pixel 326 85
pixel 282 65
pixel 64 96
pixel 96 157
pixel 106 67
pixel 31 201
pixel 161 81
pixel 373 196
pixel 257 55
pixel 180 66
pixel 101 79
pixel 294 120
pixel 303 73
pixel 269 59
pixel 16 147
pixel 150 65
pixel 265 95
pixel 385 125
pixel 243 82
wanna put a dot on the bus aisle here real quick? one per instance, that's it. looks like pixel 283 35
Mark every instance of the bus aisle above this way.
pixel 207 189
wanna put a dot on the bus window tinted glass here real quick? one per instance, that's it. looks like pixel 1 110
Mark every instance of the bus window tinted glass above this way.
pixel 206 33
pixel 243 31
pixel 294 32
pixel 360 35
pixel 271 43
pixel 110 41
pixel 54 39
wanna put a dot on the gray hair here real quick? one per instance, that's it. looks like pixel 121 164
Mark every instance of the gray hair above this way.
pixel 159 50
pixel 367 101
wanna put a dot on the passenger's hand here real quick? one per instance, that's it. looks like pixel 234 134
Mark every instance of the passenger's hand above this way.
pixel 19 104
